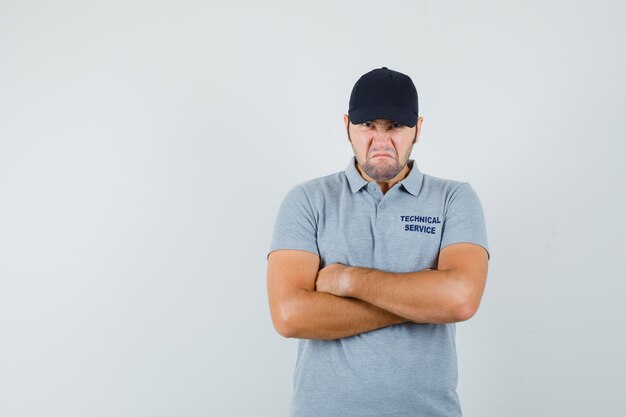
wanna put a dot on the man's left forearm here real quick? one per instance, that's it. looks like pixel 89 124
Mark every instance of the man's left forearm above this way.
pixel 428 296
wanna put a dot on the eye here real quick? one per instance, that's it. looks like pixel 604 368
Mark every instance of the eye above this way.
pixel 367 124
pixel 395 125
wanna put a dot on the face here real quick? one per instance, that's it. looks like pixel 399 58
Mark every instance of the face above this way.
pixel 382 147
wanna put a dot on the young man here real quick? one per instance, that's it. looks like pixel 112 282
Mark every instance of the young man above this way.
pixel 371 268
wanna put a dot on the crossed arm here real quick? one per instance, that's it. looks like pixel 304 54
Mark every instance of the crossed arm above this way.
pixel 339 301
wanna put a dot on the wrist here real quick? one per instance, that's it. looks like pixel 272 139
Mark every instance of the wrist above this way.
pixel 352 280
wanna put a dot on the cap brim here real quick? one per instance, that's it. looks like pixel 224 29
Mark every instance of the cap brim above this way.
pixel 406 117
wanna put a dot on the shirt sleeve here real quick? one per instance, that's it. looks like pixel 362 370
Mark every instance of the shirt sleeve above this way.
pixel 295 226
pixel 464 220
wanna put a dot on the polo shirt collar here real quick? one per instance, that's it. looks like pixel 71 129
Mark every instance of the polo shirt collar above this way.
pixel 354 177
pixel 412 182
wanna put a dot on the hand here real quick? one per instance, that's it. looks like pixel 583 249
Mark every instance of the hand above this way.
pixel 334 279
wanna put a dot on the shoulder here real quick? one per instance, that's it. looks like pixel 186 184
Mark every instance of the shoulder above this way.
pixel 443 186
pixel 319 188
pixel 309 198
pixel 450 192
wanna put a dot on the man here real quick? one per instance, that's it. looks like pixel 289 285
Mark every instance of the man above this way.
pixel 372 267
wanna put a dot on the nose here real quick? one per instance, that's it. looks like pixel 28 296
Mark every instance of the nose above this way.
pixel 381 141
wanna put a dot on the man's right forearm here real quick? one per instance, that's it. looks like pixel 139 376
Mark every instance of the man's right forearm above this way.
pixel 319 315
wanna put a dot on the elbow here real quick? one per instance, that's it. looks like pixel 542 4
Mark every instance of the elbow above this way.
pixel 284 329
pixel 464 312
pixel 465 305
pixel 285 320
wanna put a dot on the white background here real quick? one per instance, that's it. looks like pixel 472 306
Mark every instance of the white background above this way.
pixel 145 147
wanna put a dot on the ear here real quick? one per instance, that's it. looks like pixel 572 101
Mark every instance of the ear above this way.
pixel 418 129
pixel 346 122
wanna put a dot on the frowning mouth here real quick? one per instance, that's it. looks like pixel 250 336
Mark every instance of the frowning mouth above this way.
pixel 382 155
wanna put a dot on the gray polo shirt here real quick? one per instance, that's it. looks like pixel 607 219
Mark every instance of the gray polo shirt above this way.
pixel 408 369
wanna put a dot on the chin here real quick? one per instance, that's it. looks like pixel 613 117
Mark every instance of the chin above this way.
pixel 382 173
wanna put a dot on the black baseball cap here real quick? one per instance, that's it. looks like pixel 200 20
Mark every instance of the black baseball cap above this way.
pixel 384 94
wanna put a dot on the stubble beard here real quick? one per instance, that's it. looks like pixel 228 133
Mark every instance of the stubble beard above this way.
pixel 384 170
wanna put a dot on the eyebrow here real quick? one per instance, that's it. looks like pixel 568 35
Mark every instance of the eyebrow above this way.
pixel 383 124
